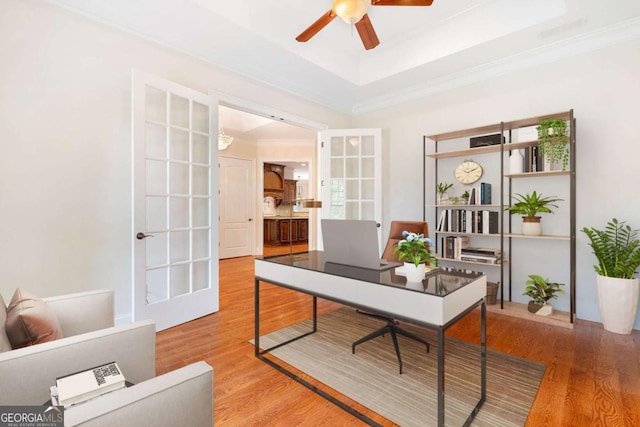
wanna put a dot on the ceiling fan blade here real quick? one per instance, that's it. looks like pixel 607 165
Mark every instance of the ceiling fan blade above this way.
pixel 401 2
pixel 316 26
pixel 367 33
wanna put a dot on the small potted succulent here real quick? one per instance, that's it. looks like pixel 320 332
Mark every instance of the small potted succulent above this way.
pixel 465 197
pixel 541 291
pixel 529 206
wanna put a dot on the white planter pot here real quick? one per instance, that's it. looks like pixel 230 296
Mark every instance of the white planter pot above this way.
pixel 413 273
pixel 545 310
pixel 618 301
pixel 531 227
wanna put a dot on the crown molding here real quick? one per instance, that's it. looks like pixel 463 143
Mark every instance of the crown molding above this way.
pixel 598 39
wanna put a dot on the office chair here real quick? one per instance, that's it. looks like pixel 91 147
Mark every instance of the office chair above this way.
pixel 392 326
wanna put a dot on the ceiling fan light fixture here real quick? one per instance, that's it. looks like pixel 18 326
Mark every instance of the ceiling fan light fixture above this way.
pixel 351 11
pixel 224 140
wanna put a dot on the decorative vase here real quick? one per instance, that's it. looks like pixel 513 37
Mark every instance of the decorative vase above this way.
pixel 516 162
pixel 618 301
pixel 443 199
pixel 531 226
pixel 413 273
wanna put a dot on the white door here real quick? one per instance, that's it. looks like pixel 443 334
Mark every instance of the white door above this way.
pixel 351 174
pixel 237 207
pixel 175 203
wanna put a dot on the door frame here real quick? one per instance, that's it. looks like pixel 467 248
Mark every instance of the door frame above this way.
pixel 248 106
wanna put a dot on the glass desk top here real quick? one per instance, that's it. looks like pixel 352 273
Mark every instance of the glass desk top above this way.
pixel 439 282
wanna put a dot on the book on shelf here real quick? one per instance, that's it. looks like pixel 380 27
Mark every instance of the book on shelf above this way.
pixel 85 385
pixel 469 221
pixel 534 161
pixel 484 260
pixel 485 193
pixel 452 246
pixel 472 250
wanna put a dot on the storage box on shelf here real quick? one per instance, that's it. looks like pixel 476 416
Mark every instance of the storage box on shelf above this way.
pixel 459 220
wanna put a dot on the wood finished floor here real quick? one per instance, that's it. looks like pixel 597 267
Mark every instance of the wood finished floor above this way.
pixel 592 377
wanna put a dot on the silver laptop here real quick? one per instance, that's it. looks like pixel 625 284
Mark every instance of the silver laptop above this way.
pixel 354 243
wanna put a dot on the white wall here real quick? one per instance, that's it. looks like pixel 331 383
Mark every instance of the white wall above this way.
pixel 602 87
pixel 65 127
pixel 66 145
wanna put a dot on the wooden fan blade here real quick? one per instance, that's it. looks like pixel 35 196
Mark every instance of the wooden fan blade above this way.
pixel 401 2
pixel 367 33
pixel 316 26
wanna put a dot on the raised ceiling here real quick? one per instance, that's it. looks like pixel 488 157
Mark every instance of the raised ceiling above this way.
pixel 422 49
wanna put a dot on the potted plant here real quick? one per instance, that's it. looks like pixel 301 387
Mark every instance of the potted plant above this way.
pixel 553 141
pixel 414 250
pixel 465 197
pixel 442 189
pixel 529 206
pixel 541 291
pixel 617 249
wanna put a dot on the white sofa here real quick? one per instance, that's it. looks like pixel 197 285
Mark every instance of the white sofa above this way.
pixel 181 397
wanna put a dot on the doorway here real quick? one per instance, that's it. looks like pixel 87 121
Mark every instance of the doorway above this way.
pixel 285 221
pixel 269 138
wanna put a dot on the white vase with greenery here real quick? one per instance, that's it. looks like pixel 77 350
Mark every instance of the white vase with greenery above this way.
pixel 617 249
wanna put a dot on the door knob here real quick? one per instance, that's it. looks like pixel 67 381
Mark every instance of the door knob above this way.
pixel 141 236
pixel 250 219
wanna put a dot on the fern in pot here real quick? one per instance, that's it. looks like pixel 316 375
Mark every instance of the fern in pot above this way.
pixel 617 249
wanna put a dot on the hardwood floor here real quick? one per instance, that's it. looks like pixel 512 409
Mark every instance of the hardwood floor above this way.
pixel 592 376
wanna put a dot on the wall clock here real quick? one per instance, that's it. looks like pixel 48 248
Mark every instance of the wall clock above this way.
pixel 468 172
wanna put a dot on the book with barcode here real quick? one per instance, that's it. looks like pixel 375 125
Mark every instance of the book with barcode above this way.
pixel 85 385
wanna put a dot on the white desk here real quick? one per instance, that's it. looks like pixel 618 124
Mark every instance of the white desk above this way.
pixel 444 297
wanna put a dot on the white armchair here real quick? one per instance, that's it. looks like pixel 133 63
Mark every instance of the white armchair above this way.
pixel 90 339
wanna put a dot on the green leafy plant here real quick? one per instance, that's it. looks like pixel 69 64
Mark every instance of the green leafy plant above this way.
pixel 541 290
pixel 553 140
pixel 617 249
pixel 531 204
pixel 414 248
pixel 443 187
pixel 465 195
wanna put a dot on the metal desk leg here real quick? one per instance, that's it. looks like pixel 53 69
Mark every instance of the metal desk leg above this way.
pixel 440 377
pixel 483 350
pixel 256 321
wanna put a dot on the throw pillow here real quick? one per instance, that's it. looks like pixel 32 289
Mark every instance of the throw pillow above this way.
pixel 5 345
pixel 30 321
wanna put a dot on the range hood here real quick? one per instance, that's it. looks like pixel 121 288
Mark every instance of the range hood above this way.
pixel 273 181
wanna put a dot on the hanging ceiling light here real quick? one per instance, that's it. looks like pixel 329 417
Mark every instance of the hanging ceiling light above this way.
pixel 351 11
pixel 224 140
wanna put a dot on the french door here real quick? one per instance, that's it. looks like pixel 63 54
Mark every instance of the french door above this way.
pixel 175 202
pixel 351 174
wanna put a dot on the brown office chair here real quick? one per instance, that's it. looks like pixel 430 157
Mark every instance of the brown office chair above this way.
pixel 393 326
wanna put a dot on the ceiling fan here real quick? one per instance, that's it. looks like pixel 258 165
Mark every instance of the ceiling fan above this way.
pixel 355 12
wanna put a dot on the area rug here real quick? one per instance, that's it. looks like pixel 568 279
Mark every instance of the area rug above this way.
pixel 370 376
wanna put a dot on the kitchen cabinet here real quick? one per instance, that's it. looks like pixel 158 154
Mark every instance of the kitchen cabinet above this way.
pixel 276 230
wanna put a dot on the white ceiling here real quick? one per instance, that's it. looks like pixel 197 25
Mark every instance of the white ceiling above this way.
pixel 422 49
